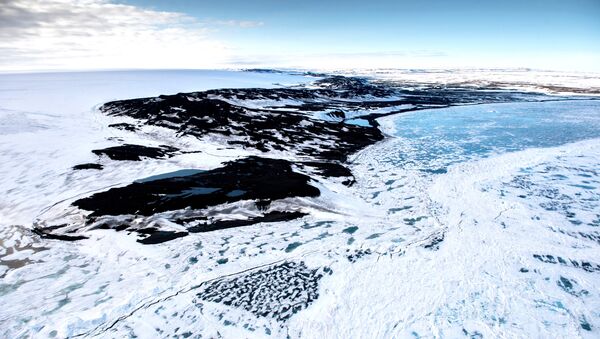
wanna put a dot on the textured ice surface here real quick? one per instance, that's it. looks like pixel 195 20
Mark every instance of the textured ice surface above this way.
pixel 279 291
pixel 439 236
pixel 433 139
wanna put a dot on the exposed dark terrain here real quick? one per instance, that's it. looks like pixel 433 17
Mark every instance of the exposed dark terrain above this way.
pixel 88 166
pixel 136 152
pixel 315 125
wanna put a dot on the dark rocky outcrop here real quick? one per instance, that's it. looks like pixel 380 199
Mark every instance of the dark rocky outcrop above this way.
pixel 252 178
pixel 136 152
pixel 124 126
pixel 191 199
pixel 87 166
pixel 199 114
pixel 316 125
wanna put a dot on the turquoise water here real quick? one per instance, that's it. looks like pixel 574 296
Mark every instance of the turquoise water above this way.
pixel 434 139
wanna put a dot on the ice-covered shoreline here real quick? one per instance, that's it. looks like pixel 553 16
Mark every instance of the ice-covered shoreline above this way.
pixel 431 254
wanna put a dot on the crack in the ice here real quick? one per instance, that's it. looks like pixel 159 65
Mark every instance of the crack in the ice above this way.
pixel 502 212
pixel 181 291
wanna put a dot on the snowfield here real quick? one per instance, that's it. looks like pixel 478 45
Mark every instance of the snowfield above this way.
pixel 476 220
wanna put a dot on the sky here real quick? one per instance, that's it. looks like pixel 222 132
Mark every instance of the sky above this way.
pixel 310 34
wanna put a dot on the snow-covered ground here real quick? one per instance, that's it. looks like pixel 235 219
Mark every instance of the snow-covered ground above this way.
pixel 469 220
pixel 518 79
pixel 48 124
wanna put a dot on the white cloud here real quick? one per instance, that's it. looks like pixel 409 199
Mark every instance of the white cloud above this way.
pixel 240 23
pixel 96 34
pixel 91 34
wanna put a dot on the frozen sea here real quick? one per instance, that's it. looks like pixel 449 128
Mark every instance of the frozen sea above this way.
pixel 476 220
